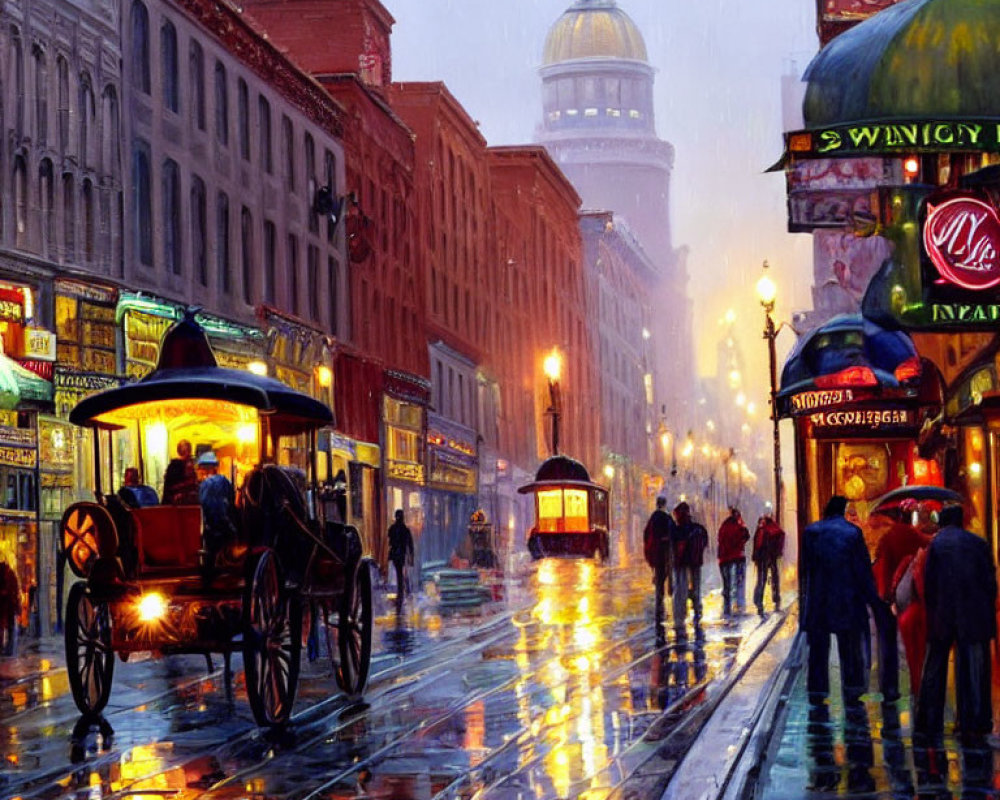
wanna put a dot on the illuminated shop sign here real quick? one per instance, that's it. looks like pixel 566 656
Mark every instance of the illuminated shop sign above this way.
pixel 896 138
pixel 19 457
pixel 807 401
pixel 872 418
pixel 962 236
pixel 405 471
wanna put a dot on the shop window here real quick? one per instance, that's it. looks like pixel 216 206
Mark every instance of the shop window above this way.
pixel 19 489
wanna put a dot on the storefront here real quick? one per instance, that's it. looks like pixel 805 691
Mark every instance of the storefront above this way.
pixel 404 418
pixel 859 396
pixel 452 491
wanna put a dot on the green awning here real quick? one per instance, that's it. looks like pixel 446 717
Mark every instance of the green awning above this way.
pixel 18 385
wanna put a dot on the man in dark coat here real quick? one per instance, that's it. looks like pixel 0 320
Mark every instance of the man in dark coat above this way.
pixel 687 552
pixel 400 554
pixel 960 589
pixel 838 589
pixel 733 538
pixel 656 546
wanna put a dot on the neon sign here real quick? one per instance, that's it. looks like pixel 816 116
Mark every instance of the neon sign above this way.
pixel 896 138
pixel 962 239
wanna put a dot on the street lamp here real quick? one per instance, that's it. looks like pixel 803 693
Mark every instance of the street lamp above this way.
pixel 552 367
pixel 767 291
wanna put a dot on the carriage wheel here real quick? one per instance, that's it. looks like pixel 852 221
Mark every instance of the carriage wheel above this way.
pixel 272 643
pixel 354 634
pixel 87 532
pixel 90 661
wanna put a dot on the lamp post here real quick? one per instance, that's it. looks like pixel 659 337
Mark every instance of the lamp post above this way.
pixel 767 291
pixel 552 367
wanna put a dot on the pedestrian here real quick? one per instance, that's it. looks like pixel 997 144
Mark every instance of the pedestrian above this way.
pixel 899 543
pixel 768 548
pixel 10 609
pixel 687 553
pixel 960 588
pixel 838 588
pixel 400 554
pixel 911 614
pixel 180 482
pixel 656 541
pixel 733 537
pixel 218 501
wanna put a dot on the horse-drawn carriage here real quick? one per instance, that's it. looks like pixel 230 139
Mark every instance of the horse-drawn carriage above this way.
pixel 152 581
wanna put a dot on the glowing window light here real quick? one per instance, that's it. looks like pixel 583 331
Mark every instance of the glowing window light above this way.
pixel 257 368
pixel 156 437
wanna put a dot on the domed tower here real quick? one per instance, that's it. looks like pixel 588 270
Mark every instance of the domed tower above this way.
pixel 599 122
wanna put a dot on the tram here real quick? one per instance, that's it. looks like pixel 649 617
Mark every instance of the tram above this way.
pixel 571 511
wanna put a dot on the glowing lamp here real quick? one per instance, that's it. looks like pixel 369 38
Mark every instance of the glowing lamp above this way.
pixel 909 370
pixel 852 376
pixel 609 471
pixel 767 291
pixel 152 606
pixel 911 166
pixel 552 365
pixel 247 433
pixel 324 376
pixel 257 368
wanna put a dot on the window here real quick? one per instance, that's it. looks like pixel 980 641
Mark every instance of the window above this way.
pixel 293 274
pixel 17 75
pixel 87 117
pixel 199 231
pixel 140 46
pixel 62 76
pixel 69 218
pixel 246 255
pixel 196 63
pixel 142 202
pixel 330 176
pixel 288 143
pixel 266 149
pixel 269 259
pixel 20 203
pixel 171 217
pixel 221 105
pixel 312 281
pixel 111 142
pixel 311 184
pixel 222 242
pixel 333 278
pixel 243 117
pixel 89 223
pixel 41 96
pixel 170 77
pixel 46 192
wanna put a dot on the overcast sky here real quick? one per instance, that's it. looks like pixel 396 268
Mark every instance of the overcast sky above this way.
pixel 718 101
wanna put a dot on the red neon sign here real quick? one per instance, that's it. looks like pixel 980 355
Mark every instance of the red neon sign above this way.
pixel 962 238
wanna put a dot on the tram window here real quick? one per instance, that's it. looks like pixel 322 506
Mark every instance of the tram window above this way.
pixel 550 511
pixel 576 510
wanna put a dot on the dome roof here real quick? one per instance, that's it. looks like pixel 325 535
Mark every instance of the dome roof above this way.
pixel 562 468
pixel 914 59
pixel 594 29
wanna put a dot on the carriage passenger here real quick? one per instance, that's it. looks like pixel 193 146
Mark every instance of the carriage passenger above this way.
pixel 217 499
pixel 180 483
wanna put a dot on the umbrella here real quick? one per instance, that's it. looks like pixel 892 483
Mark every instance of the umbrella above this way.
pixel 889 503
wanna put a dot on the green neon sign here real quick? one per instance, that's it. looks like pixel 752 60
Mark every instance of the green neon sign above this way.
pixel 893 138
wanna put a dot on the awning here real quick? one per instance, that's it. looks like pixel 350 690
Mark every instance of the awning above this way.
pixel 19 385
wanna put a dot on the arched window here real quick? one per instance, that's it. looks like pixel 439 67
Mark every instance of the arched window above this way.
pixel 62 97
pixel 143 202
pixel 330 177
pixel 89 224
pixel 140 46
pixel 311 183
pixel 269 259
pixel 110 127
pixel 288 144
pixel 293 274
pixel 243 117
pixel 41 95
pixel 196 61
pixel 266 149
pixel 312 281
pixel 46 195
pixel 168 55
pixel 199 231
pixel 222 242
pixel 69 218
pixel 20 203
pixel 221 104
pixel 87 116
pixel 246 255
pixel 171 217
pixel 17 75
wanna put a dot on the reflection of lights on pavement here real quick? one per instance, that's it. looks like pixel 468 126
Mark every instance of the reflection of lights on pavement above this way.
pixel 585 637
pixel 547 572
pixel 586 576
pixel 544 611
pixel 583 606
pixel 582 663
